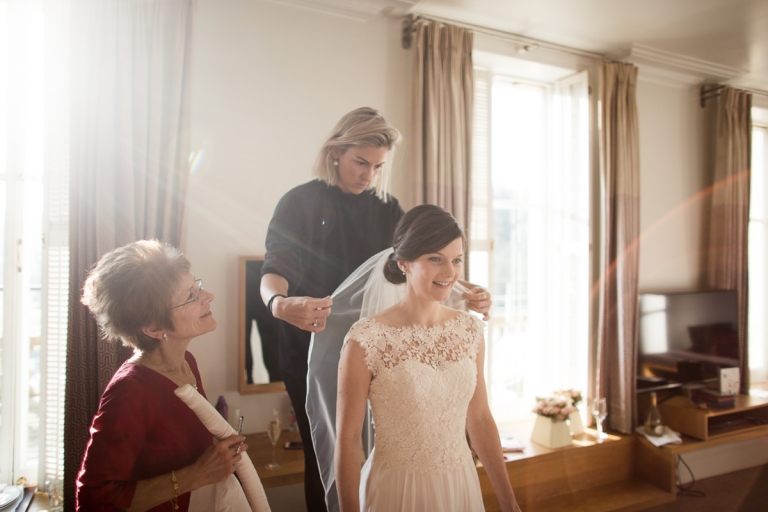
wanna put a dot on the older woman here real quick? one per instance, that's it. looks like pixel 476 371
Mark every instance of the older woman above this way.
pixel 148 450
pixel 321 231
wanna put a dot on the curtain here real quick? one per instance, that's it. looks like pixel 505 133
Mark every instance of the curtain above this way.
pixel 726 251
pixel 129 147
pixel 443 102
pixel 620 227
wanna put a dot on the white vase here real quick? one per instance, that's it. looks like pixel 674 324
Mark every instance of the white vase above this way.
pixel 550 433
pixel 574 421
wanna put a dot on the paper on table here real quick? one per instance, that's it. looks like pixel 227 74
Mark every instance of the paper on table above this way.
pixel 668 437
pixel 509 445
pixel 219 427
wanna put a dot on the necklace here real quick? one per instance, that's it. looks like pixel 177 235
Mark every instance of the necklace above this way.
pixel 180 381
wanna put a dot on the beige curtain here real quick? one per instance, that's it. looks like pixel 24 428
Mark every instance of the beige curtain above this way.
pixel 726 253
pixel 129 148
pixel 443 97
pixel 620 227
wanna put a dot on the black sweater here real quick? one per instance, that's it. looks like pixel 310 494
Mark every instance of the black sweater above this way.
pixel 318 236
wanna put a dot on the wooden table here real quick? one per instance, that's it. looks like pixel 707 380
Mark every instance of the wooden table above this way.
pixel 39 503
pixel 292 461
pixel 260 452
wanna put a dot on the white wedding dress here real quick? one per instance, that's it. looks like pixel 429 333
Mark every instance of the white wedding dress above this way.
pixel 422 381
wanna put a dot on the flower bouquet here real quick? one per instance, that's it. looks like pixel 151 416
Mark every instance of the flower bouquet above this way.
pixel 556 407
pixel 574 418
pixel 550 429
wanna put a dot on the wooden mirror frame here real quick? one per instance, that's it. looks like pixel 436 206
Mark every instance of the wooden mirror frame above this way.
pixel 245 388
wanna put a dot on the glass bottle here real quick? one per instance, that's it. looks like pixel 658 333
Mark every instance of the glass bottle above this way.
pixel 222 407
pixel 653 424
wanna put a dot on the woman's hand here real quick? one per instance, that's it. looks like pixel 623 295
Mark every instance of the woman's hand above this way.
pixel 219 460
pixel 305 313
pixel 214 465
pixel 478 299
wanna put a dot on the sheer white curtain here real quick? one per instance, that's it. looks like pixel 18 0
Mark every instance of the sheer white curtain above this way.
pixel 530 236
pixel 34 186
pixel 129 167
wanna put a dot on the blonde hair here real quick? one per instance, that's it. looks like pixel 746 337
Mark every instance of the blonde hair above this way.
pixel 362 127
pixel 131 288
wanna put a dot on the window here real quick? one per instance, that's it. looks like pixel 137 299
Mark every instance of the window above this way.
pixel 758 235
pixel 33 237
pixel 530 236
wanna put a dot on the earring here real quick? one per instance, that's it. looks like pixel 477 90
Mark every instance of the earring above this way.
pixel 335 163
pixel 165 337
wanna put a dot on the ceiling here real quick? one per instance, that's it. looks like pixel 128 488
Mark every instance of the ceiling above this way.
pixel 731 33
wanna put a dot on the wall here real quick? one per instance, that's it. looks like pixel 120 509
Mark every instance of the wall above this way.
pixel 671 182
pixel 268 84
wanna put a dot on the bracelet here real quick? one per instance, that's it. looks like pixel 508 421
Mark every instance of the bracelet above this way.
pixel 175 499
pixel 269 302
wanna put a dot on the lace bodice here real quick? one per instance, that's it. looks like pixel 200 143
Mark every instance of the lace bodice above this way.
pixel 422 381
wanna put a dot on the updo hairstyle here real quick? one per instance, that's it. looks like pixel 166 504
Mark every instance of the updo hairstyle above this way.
pixel 362 127
pixel 425 229
pixel 132 287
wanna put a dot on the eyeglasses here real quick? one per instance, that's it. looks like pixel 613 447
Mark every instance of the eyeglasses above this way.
pixel 199 284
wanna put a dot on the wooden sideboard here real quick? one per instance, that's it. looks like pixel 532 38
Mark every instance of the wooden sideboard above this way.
pixel 292 461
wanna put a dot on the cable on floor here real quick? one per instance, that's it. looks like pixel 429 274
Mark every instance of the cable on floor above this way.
pixel 686 490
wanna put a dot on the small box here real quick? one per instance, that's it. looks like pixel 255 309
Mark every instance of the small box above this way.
pixel 730 381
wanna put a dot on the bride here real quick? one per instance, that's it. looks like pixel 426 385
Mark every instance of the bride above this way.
pixel 421 365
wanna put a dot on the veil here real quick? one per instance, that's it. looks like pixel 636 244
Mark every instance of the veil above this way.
pixel 364 293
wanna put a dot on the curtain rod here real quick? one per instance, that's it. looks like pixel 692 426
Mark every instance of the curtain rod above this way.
pixel 409 27
pixel 709 91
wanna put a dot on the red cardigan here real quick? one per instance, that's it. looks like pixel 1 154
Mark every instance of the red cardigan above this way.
pixel 140 431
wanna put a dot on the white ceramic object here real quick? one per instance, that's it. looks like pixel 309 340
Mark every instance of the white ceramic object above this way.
pixel 550 433
pixel 10 497
pixel 575 423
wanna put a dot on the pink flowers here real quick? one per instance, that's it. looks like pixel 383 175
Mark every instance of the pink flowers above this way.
pixel 573 394
pixel 557 407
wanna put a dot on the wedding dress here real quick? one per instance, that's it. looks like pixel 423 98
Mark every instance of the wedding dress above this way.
pixel 363 294
pixel 423 379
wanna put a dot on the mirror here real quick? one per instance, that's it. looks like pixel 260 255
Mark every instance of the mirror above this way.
pixel 259 354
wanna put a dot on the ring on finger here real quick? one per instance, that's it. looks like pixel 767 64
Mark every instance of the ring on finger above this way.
pixel 238 450
pixel 316 323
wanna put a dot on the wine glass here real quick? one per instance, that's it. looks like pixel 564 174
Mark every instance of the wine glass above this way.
pixel 600 412
pixel 55 489
pixel 273 431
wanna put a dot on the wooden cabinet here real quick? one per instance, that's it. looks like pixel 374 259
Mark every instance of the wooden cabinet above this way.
pixel 687 417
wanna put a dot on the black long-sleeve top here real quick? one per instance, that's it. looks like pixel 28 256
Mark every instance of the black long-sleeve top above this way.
pixel 318 236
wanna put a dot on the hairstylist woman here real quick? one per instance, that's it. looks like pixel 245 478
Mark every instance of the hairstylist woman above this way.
pixel 321 231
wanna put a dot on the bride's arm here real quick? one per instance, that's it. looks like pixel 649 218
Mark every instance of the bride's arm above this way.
pixel 485 439
pixel 354 381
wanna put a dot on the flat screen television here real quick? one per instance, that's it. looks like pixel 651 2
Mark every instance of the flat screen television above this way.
pixel 686 336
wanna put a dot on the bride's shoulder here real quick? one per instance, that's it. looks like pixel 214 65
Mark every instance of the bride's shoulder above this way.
pixel 361 325
pixel 388 317
pixel 469 320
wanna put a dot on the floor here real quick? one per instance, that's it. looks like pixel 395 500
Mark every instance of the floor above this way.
pixel 740 491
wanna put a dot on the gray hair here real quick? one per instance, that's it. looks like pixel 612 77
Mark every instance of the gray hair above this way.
pixel 362 127
pixel 132 287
